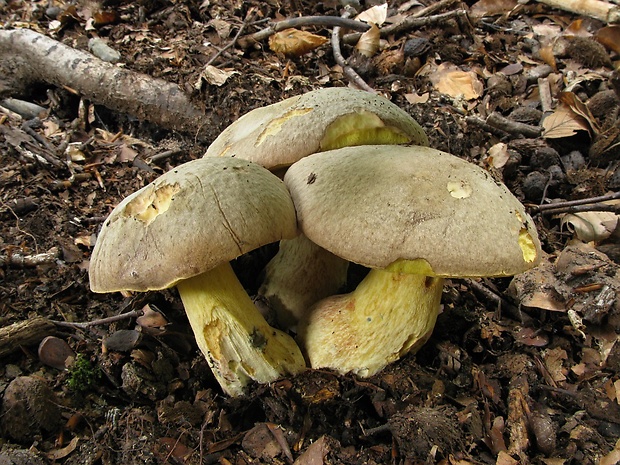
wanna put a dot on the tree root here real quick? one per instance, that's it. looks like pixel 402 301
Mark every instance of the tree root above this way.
pixel 27 57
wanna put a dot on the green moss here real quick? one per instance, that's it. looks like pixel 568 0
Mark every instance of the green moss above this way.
pixel 83 375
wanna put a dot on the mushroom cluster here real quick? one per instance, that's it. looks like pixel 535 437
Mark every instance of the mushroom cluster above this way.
pixel 278 135
pixel 335 176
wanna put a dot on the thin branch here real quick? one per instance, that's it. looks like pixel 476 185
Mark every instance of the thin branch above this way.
pixel 513 127
pixel 304 21
pixel 408 24
pixel 248 19
pixel 349 72
pixel 101 321
pixel 574 206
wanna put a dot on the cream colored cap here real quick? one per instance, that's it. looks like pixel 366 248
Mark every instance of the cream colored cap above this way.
pixel 412 209
pixel 280 134
pixel 188 221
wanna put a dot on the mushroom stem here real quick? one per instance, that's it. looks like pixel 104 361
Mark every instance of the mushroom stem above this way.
pixel 236 340
pixel 386 316
pixel 301 274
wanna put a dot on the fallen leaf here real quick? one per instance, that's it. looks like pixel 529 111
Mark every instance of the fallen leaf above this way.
pixel 613 457
pixel 609 36
pixel 417 98
pixel 294 42
pixel 452 81
pixel 369 41
pixel 554 361
pixel 498 155
pixel 374 15
pixel 590 226
pixel 484 8
pixel 580 108
pixel 503 458
pixel 214 76
pixel 563 122
pixel 58 454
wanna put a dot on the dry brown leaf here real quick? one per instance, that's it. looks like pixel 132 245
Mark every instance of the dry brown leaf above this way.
pixel 613 458
pixel 368 44
pixel 58 454
pixel 214 76
pixel 417 98
pixel 563 122
pixel 539 288
pixel 590 226
pixel 498 155
pixel 554 361
pixel 609 36
pixel 374 15
pixel 452 81
pixel 484 8
pixel 577 28
pixel 580 108
pixel 503 458
pixel 295 42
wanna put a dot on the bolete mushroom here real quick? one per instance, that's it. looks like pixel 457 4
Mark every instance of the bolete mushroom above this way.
pixel 182 230
pixel 278 135
pixel 414 215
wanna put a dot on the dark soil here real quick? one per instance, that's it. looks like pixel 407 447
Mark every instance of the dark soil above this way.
pixel 515 372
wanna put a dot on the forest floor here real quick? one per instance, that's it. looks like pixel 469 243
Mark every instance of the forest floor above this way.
pixel 516 371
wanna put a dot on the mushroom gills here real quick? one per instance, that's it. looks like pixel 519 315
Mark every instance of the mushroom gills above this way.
pixel 363 331
pixel 232 334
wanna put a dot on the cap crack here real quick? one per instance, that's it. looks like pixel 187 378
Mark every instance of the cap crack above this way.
pixel 225 221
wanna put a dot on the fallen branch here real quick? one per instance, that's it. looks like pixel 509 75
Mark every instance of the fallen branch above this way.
pixel 305 21
pixel 24 333
pixel 513 127
pixel 581 205
pixel 27 57
pixel 26 261
pixel 596 9
pixel 408 24
pixel 349 72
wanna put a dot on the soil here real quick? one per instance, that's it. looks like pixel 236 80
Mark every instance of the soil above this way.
pixel 516 371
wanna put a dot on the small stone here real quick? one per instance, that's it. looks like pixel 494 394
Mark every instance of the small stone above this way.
pixel 29 409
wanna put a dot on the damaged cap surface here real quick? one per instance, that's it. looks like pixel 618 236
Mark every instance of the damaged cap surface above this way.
pixel 280 134
pixel 188 221
pixel 412 209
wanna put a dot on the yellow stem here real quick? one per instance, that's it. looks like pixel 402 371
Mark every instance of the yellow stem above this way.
pixel 388 315
pixel 234 337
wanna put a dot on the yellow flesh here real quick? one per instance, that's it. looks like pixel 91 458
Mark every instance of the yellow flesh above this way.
pixel 388 315
pixel 234 337
pixel 360 128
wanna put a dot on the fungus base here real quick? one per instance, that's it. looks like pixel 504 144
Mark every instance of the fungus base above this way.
pixel 387 316
pixel 234 337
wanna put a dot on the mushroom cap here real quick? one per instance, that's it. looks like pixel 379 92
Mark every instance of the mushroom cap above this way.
pixel 412 209
pixel 189 220
pixel 280 134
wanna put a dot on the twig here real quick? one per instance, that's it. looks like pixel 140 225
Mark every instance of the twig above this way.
pixel 482 124
pixel 349 72
pixel 513 127
pixel 410 23
pixel 434 7
pixel 101 321
pixel 544 91
pixel 574 206
pixel 513 311
pixel 248 19
pixel 323 21
pixel 23 261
